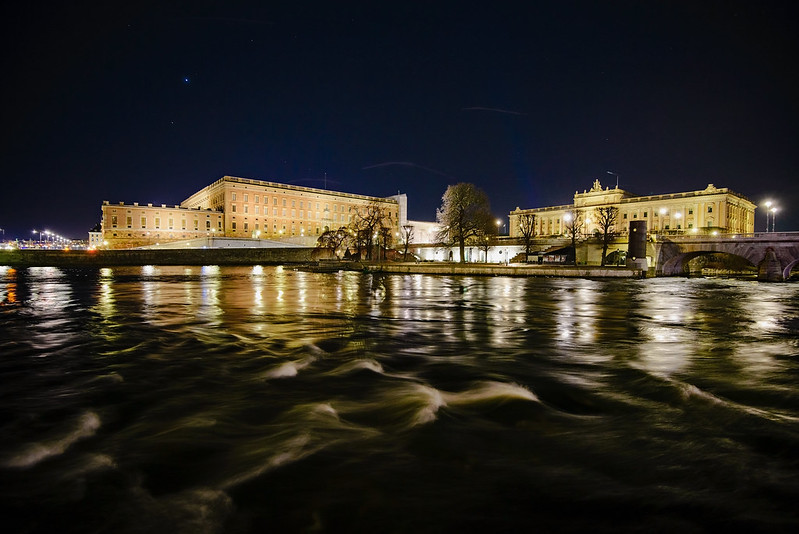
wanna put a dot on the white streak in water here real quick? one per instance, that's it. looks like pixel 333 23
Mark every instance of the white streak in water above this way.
pixel 35 453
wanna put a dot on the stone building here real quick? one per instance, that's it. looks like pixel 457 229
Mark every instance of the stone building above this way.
pixel 239 207
pixel 709 210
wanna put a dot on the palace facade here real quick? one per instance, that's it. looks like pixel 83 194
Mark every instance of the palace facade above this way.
pixel 709 210
pixel 239 207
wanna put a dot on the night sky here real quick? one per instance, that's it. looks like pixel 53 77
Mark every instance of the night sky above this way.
pixel 151 101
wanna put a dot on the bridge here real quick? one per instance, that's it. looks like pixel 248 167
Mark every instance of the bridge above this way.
pixel 774 254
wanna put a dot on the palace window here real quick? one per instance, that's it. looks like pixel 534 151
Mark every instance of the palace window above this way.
pixel 246 197
pixel 233 208
pixel 233 196
pixel 710 209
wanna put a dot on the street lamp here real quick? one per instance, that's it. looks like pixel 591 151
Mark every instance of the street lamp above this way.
pixel 768 208
pixel 773 218
pixel 499 223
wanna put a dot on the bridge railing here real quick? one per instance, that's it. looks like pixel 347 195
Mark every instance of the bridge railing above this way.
pixel 718 236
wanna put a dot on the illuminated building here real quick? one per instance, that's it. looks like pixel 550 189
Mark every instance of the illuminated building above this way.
pixel 239 207
pixel 709 210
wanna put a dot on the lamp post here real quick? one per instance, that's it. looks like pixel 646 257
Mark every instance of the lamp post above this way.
pixel 768 208
pixel 773 218
pixel 499 223
pixel 617 177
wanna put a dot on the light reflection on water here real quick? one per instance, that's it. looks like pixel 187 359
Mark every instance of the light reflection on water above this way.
pixel 262 398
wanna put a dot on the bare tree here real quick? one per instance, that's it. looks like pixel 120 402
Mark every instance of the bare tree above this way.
pixel 332 240
pixel 606 222
pixel 574 224
pixel 463 212
pixel 527 231
pixel 406 234
pixel 385 240
pixel 369 224
pixel 486 236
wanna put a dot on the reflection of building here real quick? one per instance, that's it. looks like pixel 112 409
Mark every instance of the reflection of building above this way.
pixel 712 209
pixel 238 207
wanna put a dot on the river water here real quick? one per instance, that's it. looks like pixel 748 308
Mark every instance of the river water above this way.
pixel 262 399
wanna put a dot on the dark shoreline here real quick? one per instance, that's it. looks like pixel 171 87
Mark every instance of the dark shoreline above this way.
pixel 302 257
pixel 134 257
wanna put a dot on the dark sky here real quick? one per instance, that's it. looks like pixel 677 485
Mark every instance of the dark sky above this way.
pixel 152 101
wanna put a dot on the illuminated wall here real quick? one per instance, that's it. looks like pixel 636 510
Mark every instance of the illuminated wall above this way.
pixel 709 210
pixel 239 207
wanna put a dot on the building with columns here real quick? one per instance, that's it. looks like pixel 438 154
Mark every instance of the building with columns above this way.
pixel 709 210
pixel 239 207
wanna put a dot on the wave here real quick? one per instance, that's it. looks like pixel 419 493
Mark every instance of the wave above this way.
pixel 358 365
pixel 86 426
pixel 491 391
pixel 288 451
pixel 689 392
pixel 414 404
pixel 287 369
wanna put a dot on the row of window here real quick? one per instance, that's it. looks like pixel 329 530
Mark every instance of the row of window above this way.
pixel 257 199
pixel 283 212
pixel 157 221
pixel 283 229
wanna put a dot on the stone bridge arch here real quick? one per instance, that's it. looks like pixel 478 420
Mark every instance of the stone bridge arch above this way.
pixel 775 255
pixel 678 265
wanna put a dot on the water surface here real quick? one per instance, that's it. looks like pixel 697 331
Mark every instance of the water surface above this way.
pixel 261 399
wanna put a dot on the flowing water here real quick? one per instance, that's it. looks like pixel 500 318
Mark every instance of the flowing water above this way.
pixel 261 399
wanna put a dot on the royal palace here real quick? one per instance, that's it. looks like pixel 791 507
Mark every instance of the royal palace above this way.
pixel 238 207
